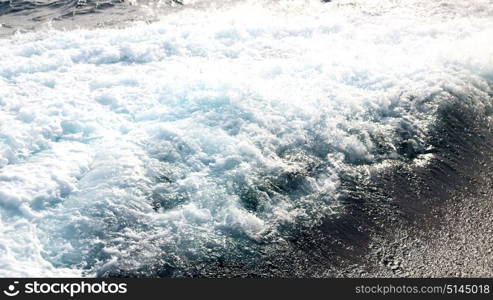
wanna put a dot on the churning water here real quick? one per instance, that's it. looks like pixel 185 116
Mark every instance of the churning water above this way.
pixel 213 130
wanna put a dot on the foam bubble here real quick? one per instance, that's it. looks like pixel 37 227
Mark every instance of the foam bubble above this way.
pixel 209 131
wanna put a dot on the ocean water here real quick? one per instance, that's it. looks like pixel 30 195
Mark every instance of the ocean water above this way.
pixel 212 129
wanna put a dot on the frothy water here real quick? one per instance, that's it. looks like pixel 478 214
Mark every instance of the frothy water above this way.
pixel 216 131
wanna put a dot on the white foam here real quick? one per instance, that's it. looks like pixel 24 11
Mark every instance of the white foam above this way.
pixel 204 107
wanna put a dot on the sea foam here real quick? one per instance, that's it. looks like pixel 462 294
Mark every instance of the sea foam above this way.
pixel 213 131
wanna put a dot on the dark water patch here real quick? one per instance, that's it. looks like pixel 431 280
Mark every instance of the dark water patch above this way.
pixel 163 198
